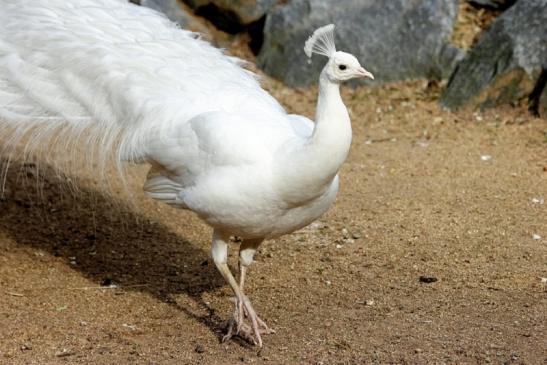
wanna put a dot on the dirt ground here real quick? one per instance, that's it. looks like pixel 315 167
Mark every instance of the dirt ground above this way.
pixel 425 192
pixel 88 278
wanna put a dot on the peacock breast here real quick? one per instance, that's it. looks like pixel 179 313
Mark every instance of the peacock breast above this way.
pixel 244 203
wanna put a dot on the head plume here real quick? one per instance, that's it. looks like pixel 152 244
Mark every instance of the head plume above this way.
pixel 321 42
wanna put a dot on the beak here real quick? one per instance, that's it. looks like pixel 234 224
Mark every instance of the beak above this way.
pixel 364 73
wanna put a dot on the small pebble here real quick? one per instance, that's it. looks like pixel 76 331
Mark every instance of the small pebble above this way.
pixel 536 236
pixel 318 225
pixel 428 279
pixel 356 235
pixel 62 308
pixel 486 157
pixel 199 349
pixel 64 353
pixel 338 246
pixel 538 200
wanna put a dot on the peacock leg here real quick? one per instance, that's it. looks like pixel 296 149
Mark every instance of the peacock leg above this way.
pixel 247 251
pixel 220 257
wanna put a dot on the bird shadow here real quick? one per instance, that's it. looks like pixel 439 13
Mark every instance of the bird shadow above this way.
pixel 107 240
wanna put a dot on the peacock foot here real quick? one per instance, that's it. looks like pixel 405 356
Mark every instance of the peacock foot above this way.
pixel 237 326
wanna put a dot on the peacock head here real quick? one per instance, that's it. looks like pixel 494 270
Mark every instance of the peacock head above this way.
pixel 341 66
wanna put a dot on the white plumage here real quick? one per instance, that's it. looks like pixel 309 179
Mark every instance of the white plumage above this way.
pixel 131 86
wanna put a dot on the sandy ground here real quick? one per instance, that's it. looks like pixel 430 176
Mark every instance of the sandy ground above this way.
pixel 88 278
pixel 425 192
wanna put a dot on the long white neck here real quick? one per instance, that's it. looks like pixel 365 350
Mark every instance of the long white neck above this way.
pixel 311 168
pixel 331 138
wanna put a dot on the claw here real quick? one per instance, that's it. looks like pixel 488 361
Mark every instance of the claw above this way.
pixel 238 327
pixel 245 332
pixel 230 333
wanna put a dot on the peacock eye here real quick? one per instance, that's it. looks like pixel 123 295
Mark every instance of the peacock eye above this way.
pixel 342 67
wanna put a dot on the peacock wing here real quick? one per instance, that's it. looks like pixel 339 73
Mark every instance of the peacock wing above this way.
pixel 110 74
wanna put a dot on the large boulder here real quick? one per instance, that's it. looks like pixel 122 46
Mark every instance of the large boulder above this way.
pixel 171 8
pixel 395 39
pixel 505 64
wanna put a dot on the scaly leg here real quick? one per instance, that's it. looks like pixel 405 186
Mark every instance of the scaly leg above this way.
pixel 247 252
pixel 220 257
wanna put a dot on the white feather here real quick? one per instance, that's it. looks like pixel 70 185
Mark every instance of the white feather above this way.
pixel 321 42
pixel 112 74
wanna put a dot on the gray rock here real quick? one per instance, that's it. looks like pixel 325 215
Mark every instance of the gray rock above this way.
pixel 395 39
pixel 493 4
pixel 244 11
pixel 505 65
pixel 171 8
